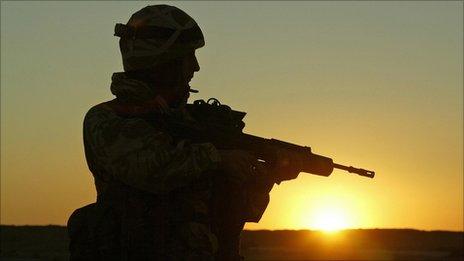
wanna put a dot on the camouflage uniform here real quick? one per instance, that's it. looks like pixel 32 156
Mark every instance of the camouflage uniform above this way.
pixel 157 198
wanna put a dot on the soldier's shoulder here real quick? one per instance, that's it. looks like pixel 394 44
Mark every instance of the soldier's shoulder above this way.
pixel 101 108
pixel 99 112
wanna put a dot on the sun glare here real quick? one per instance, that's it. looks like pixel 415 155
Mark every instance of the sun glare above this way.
pixel 329 220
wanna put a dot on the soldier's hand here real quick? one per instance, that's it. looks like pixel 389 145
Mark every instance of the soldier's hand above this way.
pixel 288 165
pixel 238 165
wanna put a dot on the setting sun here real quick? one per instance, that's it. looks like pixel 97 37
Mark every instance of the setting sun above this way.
pixel 330 220
pixel 333 212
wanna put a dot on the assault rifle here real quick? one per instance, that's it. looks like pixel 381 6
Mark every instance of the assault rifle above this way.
pixel 222 126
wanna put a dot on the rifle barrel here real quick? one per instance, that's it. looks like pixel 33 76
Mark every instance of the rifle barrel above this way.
pixel 361 172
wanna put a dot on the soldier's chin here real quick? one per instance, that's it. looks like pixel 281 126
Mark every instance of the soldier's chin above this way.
pixel 185 95
pixel 184 101
pixel 187 92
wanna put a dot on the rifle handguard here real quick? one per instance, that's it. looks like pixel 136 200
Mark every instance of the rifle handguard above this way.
pixel 318 165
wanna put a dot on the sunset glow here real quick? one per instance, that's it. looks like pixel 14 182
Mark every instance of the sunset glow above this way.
pixel 373 85
pixel 329 220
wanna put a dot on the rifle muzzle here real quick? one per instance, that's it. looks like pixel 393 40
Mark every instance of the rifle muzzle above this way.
pixel 361 172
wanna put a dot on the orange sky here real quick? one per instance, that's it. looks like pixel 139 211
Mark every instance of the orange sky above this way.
pixel 372 84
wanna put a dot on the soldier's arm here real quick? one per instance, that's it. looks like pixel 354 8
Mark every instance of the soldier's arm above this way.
pixel 138 155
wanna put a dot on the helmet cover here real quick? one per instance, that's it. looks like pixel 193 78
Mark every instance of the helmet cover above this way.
pixel 157 34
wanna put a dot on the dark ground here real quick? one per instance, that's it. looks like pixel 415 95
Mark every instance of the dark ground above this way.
pixel 21 243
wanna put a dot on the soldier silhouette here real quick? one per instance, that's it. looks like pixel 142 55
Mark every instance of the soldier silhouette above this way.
pixel 159 198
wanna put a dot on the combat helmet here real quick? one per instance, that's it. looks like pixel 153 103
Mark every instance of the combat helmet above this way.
pixel 157 34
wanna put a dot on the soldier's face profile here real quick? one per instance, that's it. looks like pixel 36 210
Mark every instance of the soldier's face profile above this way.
pixel 189 67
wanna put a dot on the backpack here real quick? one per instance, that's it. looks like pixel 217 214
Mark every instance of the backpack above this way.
pixel 94 233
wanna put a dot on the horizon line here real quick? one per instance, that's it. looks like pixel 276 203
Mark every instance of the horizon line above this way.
pixel 284 229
